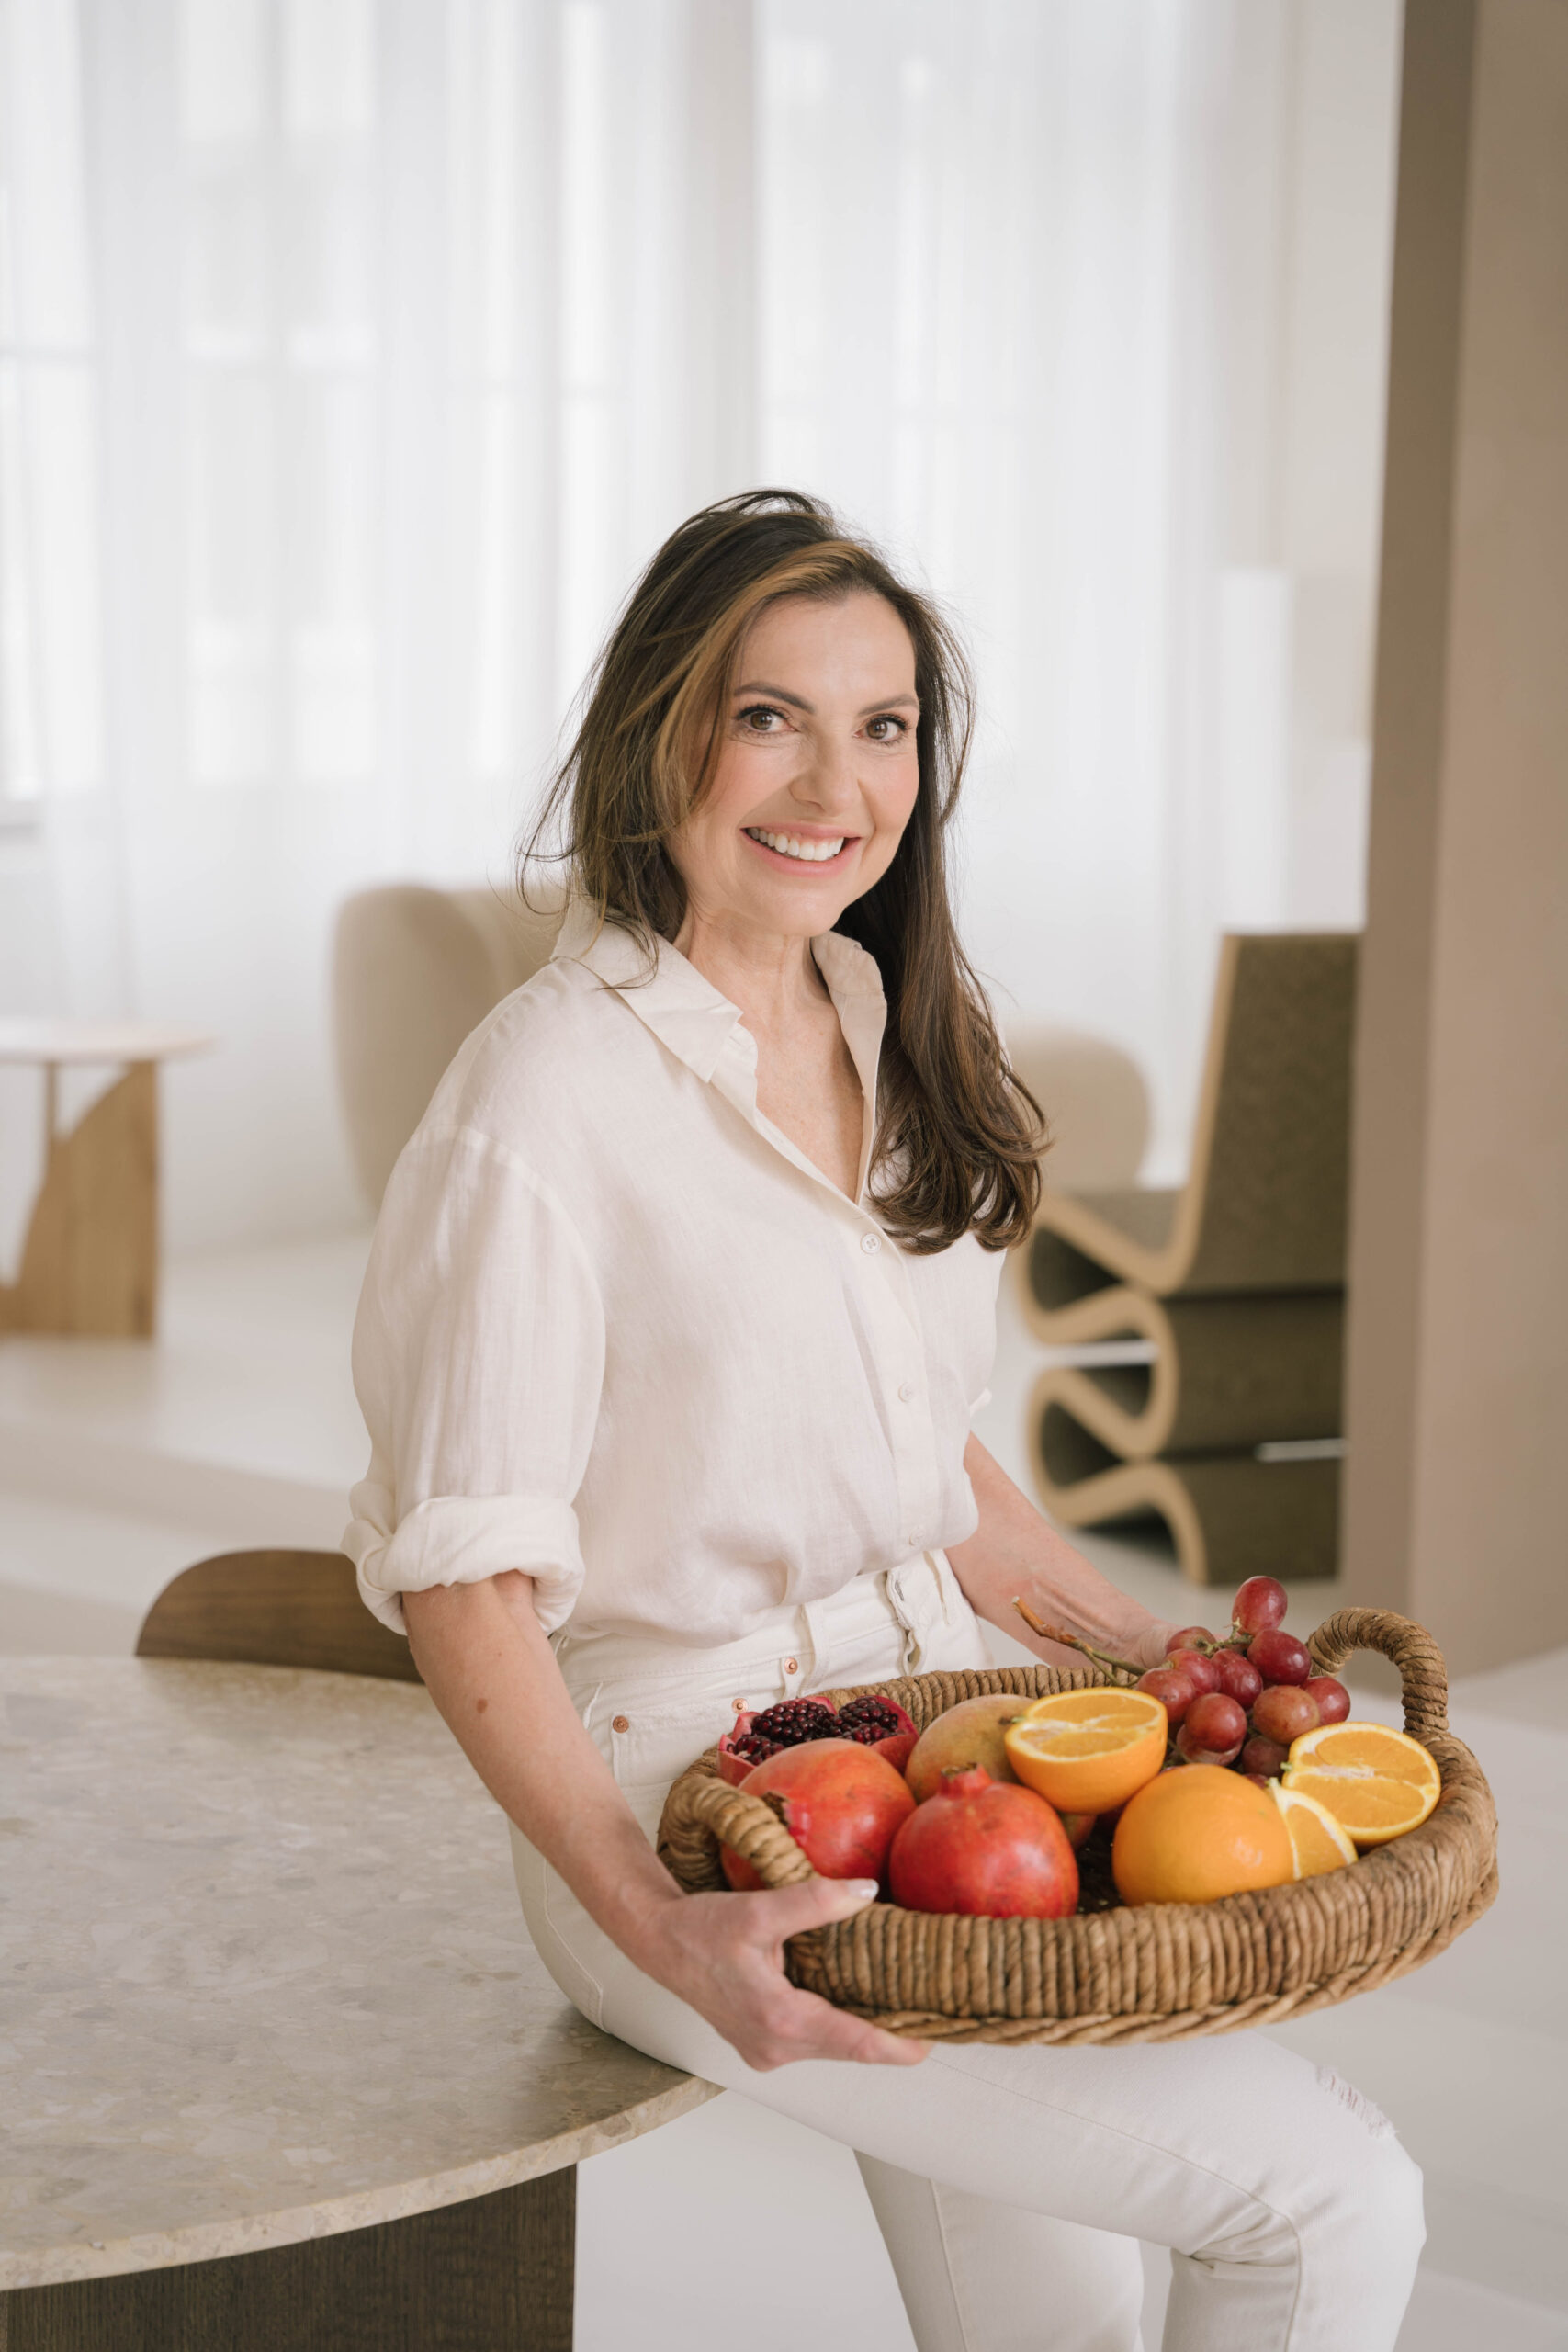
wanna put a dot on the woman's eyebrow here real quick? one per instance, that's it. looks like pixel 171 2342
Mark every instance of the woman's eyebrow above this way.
pixel 799 702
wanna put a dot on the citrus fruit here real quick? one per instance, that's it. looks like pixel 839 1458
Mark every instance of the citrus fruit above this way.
pixel 1085 1751
pixel 1319 1842
pixel 1376 1783
pixel 1199 1832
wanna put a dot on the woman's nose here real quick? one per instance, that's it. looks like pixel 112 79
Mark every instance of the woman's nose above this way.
pixel 827 781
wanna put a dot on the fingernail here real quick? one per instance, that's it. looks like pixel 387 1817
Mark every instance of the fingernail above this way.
pixel 865 1888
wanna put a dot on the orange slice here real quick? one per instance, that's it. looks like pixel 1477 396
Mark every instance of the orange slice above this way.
pixel 1085 1751
pixel 1376 1783
pixel 1316 1839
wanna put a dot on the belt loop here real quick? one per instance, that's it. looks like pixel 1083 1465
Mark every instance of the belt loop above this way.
pixel 892 1587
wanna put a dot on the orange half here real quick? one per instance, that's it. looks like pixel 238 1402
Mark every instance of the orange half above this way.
pixel 1316 1839
pixel 1087 1751
pixel 1376 1783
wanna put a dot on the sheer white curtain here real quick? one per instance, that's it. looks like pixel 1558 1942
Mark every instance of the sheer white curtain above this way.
pixel 353 354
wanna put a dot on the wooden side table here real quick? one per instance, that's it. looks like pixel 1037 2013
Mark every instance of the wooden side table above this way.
pixel 90 1260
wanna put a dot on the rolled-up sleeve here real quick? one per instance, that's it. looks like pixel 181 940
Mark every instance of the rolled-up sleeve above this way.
pixel 479 1359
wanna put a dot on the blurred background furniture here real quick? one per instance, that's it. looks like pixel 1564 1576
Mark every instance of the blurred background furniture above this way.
pixel 274 1608
pixel 1235 1282
pixel 287 2069
pixel 416 968
pixel 90 1259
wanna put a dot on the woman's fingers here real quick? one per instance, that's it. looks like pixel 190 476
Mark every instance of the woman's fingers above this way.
pixel 815 1903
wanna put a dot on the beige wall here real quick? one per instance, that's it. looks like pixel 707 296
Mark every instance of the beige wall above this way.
pixel 1456 1502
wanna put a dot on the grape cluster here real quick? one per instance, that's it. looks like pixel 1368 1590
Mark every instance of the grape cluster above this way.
pixel 1243 1699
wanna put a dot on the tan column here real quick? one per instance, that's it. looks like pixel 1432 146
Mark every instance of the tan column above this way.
pixel 1457 1410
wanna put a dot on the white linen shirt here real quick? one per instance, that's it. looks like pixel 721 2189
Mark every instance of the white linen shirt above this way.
pixel 618 1332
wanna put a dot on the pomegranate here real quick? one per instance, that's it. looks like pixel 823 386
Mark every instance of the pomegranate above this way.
pixel 840 1801
pixel 871 1721
pixel 982 1846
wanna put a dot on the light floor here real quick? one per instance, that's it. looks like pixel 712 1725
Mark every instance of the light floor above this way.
pixel 120 1465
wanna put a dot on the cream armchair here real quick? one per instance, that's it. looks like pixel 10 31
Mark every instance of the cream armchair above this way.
pixel 416 968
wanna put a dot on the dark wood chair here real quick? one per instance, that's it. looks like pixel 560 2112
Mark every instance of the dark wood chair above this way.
pixel 274 1608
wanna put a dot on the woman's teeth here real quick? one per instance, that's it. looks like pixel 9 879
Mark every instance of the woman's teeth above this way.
pixel 791 845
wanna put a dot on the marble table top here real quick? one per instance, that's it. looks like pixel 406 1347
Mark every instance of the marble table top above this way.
pixel 264 1975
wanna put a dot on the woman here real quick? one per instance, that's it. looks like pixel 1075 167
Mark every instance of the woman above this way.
pixel 680 1305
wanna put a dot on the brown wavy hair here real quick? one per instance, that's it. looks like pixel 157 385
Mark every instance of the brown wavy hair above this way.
pixel 959 1137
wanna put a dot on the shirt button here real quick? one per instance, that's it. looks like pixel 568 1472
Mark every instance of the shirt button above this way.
pixel 739 1706
pixel 906 1392
pixel 792 1665
pixel 871 1243
pixel 620 1723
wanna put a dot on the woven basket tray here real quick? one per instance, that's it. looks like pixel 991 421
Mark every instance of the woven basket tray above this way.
pixel 1160 1973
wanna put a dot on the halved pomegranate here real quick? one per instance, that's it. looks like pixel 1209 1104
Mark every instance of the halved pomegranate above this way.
pixel 870 1721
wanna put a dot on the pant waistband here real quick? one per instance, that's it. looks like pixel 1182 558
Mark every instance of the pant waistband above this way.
pixel 792 1650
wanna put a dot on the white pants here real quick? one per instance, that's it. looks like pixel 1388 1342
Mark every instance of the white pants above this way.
pixel 1011 2186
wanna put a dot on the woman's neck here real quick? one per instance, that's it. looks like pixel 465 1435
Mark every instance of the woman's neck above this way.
pixel 772 977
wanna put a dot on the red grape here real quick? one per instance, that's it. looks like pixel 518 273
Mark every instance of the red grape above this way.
pixel 1283 1713
pixel 1202 1672
pixel 1279 1656
pixel 1258 1780
pixel 1190 1752
pixel 1262 1756
pixel 1333 1699
pixel 1259 1605
pixel 1172 1688
pixel 1239 1679
pixel 1215 1721
pixel 1192 1637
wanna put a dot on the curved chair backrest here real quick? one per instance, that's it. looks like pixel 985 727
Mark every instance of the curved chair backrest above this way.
pixel 414 970
pixel 1266 1202
pixel 274 1608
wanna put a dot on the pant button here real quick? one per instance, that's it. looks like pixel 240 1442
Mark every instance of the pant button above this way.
pixel 792 1665
pixel 620 1723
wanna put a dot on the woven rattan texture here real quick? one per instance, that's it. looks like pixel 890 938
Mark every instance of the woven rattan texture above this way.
pixel 1161 1972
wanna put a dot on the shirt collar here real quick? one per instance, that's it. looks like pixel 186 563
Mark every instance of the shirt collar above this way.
pixel 687 1013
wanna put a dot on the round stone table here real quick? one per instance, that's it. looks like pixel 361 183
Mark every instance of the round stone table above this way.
pixel 279 2065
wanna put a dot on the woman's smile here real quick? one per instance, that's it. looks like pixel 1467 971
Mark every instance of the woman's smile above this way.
pixel 801 844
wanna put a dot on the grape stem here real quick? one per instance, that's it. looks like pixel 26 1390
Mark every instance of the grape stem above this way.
pixel 1070 1641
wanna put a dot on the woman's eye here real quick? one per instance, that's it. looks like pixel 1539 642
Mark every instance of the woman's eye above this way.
pixel 888 729
pixel 762 720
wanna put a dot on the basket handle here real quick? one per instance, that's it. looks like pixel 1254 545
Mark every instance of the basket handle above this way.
pixel 697 1809
pixel 1409 1646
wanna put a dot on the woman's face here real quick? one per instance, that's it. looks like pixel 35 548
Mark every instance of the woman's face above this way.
pixel 818 771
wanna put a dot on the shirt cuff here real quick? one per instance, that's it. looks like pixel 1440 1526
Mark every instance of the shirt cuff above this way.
pixel 463 1538
pixel 980 1403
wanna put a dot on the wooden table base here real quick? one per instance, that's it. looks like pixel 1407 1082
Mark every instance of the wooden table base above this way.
pixel 90 1260
pixel 493 2275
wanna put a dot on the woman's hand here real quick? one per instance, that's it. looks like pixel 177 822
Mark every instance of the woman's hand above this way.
pixel 1014 1553
pixel 723 1955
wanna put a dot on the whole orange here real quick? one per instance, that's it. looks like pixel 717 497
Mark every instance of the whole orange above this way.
pixel 1198 1832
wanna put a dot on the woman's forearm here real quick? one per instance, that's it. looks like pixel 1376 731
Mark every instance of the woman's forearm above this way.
pixel 490 1670
pixel 1014 1553
pixel 493 1674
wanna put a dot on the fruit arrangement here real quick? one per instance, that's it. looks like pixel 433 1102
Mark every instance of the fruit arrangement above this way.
pixel 1011 1762
pixel 1231 1767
